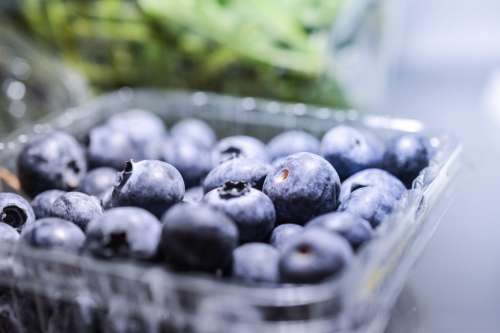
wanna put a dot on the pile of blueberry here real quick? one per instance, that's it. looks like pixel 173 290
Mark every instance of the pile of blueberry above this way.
pixel 292 211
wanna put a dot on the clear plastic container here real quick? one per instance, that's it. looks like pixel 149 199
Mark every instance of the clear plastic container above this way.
pixel 48 291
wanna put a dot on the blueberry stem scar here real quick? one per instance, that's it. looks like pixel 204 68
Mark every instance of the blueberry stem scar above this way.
pixel 233 189
pixel 284 174
pixel 13 216
pixel 304 249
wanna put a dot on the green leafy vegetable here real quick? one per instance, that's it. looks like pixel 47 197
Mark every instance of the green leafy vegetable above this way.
pixel 254 47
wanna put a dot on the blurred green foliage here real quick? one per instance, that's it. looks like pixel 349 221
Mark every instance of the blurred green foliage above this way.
pixel 264 48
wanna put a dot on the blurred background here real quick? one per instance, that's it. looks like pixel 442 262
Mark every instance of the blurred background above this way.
pixel 240 47
pixel 434 60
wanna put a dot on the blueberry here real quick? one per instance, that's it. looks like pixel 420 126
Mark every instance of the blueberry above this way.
pixel 301 186
pixel 96 182
pixel 51 233
pixel 77 207
pixel 198 237
pixel 356 230
pixel 372 177
pixel 51 161
pixel 108 147
pixel 246 170
pixel 149 184
pixel 283 233
pixel 124 232
pixel 195 130
pixel 256 262
pixel 140 124
pixel 194 195
pixel 251 210
pixel 15 210
pixel 144 128
pixel 191 159
pixel 314 256
pixel 350 150
pixel 406 156
pixel 42 204
pixel 239 146
pixel 291 142
pixel 8 233
pixel 373 204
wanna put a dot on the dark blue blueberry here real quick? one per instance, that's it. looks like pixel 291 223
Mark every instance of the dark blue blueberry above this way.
pixel 283 233
pixel 356 230
pixel 406 155
pixel 372 177
pixel 140 124
pixel 8 233
pixel 146 130
pixel 291 142
pixel 251 210
pixel 96 182
pixel 251 171
pixel 15 210
pixel 350 150
pixel 373 204
pixel 194 195
pixel 239 146
pixel 77 207
pixel 198 238
pixel 192 160
pixel 53 233
pixel 108 147
pixel 124 232
pixel 152 185
pixel 314 256
pixel 256 262
pixel 195 130
pixel 42 204
pixel 51 161
pixel 302 186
